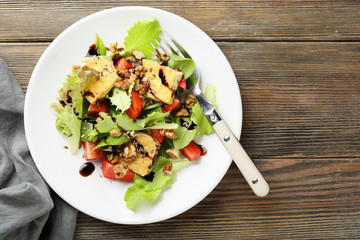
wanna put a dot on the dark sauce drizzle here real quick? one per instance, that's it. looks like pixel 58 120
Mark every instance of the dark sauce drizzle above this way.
pixel 92 51
pixel 203 150
pixel 153 93
pixel 149 177
pixel 86 169
pixel 163 78
pixel 189 125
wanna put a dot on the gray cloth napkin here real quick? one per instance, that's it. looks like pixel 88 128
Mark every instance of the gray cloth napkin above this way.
pixel 29 209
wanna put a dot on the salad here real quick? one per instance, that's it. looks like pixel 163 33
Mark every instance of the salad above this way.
pixel 129 107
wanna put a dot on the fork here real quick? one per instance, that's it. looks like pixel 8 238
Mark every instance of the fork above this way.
pixel 252 175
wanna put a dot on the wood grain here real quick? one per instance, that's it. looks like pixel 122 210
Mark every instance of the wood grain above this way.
pixel 297 64
pixel 309 198
pixel 299 99
pixel 34 21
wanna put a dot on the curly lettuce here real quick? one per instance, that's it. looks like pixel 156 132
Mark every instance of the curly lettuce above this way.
pixel 140 35
pixel 69 108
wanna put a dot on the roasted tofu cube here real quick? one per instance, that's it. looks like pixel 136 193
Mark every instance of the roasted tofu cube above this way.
pixel 163 81
pixel 147 150
pixel 102 80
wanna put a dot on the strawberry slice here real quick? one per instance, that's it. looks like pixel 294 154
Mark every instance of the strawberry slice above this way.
pixel 182 83
pixel 95 108
pixel 172 107
pixel 136 104
pixel 156 134
pixel 108 172
pixel 122 64
pixel 191 151
pixel 91 154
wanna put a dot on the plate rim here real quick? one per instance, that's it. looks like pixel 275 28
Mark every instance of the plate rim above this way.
pixel 31 86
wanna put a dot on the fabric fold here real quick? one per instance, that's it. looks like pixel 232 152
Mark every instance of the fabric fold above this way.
pixel 29 209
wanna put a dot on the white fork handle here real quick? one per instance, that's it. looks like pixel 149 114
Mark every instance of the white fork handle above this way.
pixel 248 169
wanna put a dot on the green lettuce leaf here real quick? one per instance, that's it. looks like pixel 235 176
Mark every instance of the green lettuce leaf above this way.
pixel 140 35
pixel 186 65
pixel 184 136
pixel 106 125
pixel 150 190
pixel 210 93
pixel 154 120
pixel 197 115
pixel 120 99
pixel 68 121
pixel 111 141
pixel 99 46
pixel 68 124
pixel 164 125
pixel 152 106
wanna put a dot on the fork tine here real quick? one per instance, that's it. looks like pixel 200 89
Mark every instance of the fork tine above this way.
pixel 162 47
pixel 159 54
pixel 166 43
pixel 177 48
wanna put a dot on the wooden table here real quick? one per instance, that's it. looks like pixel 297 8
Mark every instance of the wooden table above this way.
pixel 298 68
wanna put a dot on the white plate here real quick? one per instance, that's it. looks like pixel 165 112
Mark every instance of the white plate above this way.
pixel 95 195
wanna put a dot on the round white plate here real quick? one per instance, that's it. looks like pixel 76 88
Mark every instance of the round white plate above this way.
pixel 95 195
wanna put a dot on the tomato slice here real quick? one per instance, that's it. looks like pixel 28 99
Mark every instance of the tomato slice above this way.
pixel 156 134
pixel 91 155
pixel 95 108
pixel 136 104
pixel 108 172
pixel 191 151
pixel 122 64
pixel 182 83
pixel 129 177
pixel 107 169
pixel 172 107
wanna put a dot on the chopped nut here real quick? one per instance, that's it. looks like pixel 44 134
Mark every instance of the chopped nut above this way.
pixel 115 133
pixel 170 135
pixel 120 170
pixel 126 150
pixel 110 156
pixel 140 71
pixel 124 74
pixel 132 151
pixel 114 159
pixel 167 133
pixel 173 153
pixel 76 67
pixel 103 114
pixel 129 153
pixel 144 86
pixel 167 169
pixel 162 132
pixel 139 68
pixel 99 119
pixel 183 112
pixel 124 84
pixel 130 58
pixel 190 100
pixel 137 54
pixel 115 47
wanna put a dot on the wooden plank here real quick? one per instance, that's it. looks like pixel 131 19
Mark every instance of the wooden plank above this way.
pixel 302 97
pixel 21 59
pixel 299 99
pixel 239 20
pixel 309 198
